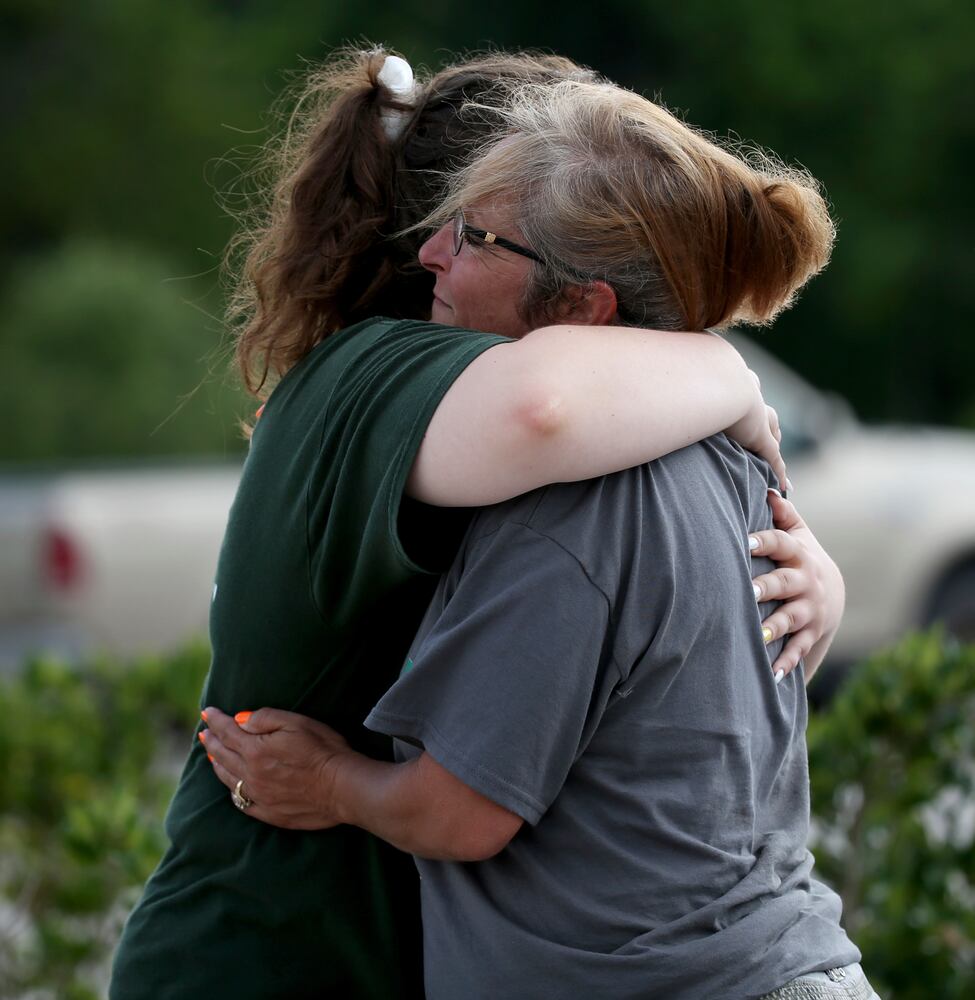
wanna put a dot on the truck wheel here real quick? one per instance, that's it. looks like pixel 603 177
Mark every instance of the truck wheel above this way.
pixel 954 603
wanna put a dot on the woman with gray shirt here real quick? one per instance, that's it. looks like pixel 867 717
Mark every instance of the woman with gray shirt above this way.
pixel 587 711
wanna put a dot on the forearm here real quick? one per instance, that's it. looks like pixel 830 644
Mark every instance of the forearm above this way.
pixel 630 396
pixel 419 807
pixel 572 403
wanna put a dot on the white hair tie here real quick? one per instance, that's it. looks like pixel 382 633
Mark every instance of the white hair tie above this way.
pixel 397 77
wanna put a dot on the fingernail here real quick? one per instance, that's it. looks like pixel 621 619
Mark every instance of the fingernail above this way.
pixel 241 717
pixel 203 716
pixel 779 674
pixel 752 543
pixel 758 590
pixel 772 489
pixel 767 634
pixel 788 485
pixel 260 410
pixel 202 736
pixel 210 755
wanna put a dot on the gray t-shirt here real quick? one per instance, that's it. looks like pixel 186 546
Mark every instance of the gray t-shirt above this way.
pixel 593 661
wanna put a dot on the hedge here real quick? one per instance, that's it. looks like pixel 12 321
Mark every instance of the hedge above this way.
pixel 89 755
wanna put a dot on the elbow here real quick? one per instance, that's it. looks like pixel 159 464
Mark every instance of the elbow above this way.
pixel 491 841
pixel 542 412
pixel 542 383
pixel 478 838
pixel 453 822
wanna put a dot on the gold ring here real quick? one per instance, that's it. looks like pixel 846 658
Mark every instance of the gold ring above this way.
pixel 240 800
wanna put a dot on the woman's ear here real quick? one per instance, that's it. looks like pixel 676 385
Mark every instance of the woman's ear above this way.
pixel 593 304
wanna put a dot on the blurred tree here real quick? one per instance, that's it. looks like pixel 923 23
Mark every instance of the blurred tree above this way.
pixel 119 118
pixel 113 111
pixel 110 360
pixel 872 98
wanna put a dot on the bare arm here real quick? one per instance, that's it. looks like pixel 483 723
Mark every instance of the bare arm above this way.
pixel 567 403
pixel 421 807
pixel 300 774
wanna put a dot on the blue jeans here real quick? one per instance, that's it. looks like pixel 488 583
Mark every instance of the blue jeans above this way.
pixel 848 983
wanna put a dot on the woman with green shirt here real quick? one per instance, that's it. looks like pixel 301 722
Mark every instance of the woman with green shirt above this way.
pixel 333 545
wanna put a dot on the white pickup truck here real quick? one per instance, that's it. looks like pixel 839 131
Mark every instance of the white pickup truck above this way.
pixel 117 560
pixel 124 560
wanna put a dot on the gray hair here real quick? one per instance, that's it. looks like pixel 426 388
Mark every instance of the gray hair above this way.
pixel 608 186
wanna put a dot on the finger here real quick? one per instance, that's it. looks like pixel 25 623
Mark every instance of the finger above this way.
pixel 795 649
pixel 772 452
pixel 222 754
pixel 255 810
pixel 787 619
pixel 781 584
pixel 223 727
pixel 784 513
pixel 777 545
pixel 265 720
pixel 773 456
pixel 224 775
pixel 790 618
pixel 778 468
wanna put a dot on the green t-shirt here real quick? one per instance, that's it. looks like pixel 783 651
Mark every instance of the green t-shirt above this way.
pixel 323 577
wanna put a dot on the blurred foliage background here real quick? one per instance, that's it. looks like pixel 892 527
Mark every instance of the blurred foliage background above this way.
pixel 85 772
pixel 123 120
pixel 125 124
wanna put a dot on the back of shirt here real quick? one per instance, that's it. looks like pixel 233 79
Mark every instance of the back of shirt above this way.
pixel 319 589
pixel 594 662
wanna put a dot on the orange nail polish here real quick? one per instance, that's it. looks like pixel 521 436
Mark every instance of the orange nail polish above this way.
pixel 260 410
pixel 241 717
pixel 202 736
pixel 210 757
pixel 203 716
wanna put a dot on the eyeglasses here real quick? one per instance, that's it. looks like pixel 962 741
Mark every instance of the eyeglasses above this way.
pixel 463 231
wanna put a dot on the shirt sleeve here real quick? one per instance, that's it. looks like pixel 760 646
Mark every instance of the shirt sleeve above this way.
pixel 388 389
pixel 503 682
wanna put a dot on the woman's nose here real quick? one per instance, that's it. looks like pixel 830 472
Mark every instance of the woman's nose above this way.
pixel 437 253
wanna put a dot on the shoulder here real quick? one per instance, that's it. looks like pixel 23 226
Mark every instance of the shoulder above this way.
pixel 655 507
pixel 381 330
pixel 379 336
pixel 379 361
pixel 579 525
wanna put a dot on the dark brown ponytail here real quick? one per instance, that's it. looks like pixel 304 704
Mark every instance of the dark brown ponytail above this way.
pixel 322 256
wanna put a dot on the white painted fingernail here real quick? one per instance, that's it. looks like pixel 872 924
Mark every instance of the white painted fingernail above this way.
pixel 779 674
pixel 788 485
pixel 772 489
pixel 758 590
pixel 752 543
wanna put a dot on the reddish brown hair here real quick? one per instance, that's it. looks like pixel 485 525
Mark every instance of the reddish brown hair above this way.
pixel 609 186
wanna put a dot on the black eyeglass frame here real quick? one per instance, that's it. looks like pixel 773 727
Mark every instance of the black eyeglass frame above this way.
pixel 462 229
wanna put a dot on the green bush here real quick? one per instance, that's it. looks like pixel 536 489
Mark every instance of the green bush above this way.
pixel 88 760
pixel 89 755
pixel 892 764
